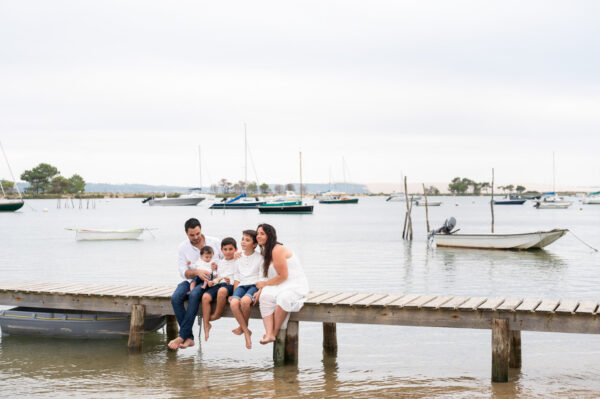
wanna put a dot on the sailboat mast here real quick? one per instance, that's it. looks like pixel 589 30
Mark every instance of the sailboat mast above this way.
pixel 553 174
pixel 11 172
pixel 200 167
pixel 344 173
pixel 300 177
pixel 245 159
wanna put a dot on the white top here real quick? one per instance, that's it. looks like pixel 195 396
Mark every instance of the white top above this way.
pixel 292 292
pixel 202 265
pixel 249 269
pixel 189 253
pixel 227 269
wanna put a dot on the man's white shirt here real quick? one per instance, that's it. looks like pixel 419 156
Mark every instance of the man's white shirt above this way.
pixel 189 253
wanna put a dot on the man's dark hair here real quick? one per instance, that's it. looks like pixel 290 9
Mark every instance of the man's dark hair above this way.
pixel 206 250
pixel 192 224
pixel 229 241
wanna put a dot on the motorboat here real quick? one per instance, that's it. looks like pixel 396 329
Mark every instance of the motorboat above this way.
pixel 512 199
pixel 592 198
pixel 429 203
pixel 102 235
pixel 71 323
pixel 193 198
pixel 339 198
pixel 552 201
pixel 446 237
pixel 241 201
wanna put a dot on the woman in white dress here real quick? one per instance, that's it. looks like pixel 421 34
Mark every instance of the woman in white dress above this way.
pixel 286 287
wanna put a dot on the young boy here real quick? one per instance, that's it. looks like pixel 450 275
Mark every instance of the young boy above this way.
pixel 204 263
pixel 248 273
pixel 221 290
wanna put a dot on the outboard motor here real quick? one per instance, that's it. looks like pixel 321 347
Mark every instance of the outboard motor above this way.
pixel 449 224
pixel 148 199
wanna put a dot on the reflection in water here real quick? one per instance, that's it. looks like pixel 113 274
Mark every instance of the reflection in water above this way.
pixel 537 258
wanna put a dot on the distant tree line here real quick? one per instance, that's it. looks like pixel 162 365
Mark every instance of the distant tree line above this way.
pixel 46 179
pixel 460 185
pixel 224 186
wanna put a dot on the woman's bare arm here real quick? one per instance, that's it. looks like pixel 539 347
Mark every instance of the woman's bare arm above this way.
pixel 280 255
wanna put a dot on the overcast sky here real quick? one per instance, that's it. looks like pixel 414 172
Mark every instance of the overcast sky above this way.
pixel 125 91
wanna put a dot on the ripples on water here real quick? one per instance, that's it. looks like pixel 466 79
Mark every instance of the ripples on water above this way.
pixel 353 248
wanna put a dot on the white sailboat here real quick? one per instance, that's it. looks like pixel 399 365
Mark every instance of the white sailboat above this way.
pixel 6 204
pixel 551 200
pixel 592 198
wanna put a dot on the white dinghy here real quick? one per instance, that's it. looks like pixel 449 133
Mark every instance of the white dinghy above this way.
pixel 445 237
pixel 100 235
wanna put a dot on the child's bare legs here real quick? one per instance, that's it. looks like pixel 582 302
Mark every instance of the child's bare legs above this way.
pixel 206 299
pixel 192 286
pixel 241 311
pixel 205 284
pixel 272 324
pixel 221 302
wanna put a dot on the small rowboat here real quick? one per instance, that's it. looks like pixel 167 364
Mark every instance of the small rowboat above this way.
pixel 429 203
pixel 99 235
pixel 536 240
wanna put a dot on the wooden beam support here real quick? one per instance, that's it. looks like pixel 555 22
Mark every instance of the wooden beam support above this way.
pixel 291 343
pixel 172 327
pixel 500 350
pixel 515 350
pixel 136 328
pixel 279 348
pixel 330 339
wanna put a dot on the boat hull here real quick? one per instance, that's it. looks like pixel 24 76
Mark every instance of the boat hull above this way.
pixel 341 201
pixel 535 240
pixel 103 235
pixel 592 201
pixel 11 205
pixel 432 203
pixel 510 202
pixel 236 206
pixel 553 204
pixel 71 323
pixel 175 201
pixel 295 209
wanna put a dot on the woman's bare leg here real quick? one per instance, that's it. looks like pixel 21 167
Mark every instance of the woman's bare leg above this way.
pixel 268 337
pixel 280 316
pixel 206 299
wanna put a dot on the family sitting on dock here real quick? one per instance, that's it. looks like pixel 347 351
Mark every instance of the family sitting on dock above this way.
pixel 214 270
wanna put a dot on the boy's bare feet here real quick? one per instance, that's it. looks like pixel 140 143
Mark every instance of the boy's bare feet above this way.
pixel 247 335
pixel 207 327
pixel 237 331
pixel 175 343
pixel 187 343
pixel 267 338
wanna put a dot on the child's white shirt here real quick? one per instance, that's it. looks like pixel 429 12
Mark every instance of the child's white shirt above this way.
pixel 249 269
pixel 202 265
pixel 226 268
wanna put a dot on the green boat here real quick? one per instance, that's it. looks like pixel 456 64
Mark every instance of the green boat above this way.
pixel 296 207
pixel 10 205
pixel 338 200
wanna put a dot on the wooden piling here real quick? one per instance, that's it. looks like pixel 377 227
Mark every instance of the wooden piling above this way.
pixel 492 200
pixel 515 350
pixel 500 350
pixel 291 343
pixel 279 348
pixel 136 328
pixel 172 327
pixel 426 208
pixel 330 339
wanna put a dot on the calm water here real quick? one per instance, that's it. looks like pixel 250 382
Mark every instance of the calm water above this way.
pixel 353 248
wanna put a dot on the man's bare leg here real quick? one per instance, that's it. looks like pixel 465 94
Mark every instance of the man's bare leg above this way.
pixel 175 343
pixel 206 299
pixel 187 343
pixel 221 302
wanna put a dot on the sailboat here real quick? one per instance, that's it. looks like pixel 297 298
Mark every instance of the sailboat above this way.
pixel 297 207
pixel 551 200
pixel 10 205
pixel 338 198
pixel 592 198
pixel 241 201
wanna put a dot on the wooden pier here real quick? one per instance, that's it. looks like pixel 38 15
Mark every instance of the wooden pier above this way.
pixel 505 317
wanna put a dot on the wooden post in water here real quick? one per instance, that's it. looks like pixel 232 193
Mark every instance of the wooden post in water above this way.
pixel 407 220
pixel 500 350
pixel 172 327
pixel 515 349
pixel 426 208
pixel 329 339
pixel 136 328
pixel 291 343
pixel 492 200
pixel 279 348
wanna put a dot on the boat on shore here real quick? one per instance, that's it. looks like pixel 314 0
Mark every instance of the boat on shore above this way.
pixel 58 323
pixel 102 235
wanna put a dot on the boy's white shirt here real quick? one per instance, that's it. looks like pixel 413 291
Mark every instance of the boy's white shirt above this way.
pixel 226 268
pixel 248 269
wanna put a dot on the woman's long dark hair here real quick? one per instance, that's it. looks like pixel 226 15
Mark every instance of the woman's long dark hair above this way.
pixel 267 249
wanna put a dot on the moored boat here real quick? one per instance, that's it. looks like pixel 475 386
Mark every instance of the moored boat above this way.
pixel 592 198
pixel 71 323
pixel 100 235
pixel 511 199
pixel 296 207
pixel 338 199
pixel 191 199
pixel 11 205
pixel 429 203
pixel 552 201
pixel 535 240
pixel 240 202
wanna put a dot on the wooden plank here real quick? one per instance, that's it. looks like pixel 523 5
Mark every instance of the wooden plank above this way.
pixel 326 294
pixel 368 301
pixel 385 301
pixel 491 304
pixel 403 301
pixel 160 291
pixel 325 297
pixel 420 301
pixel 87 289
pixel 587 307
pixel 142 291
pixel 107 289
pixel 63 289
pixel 314 294
pixel 128 291
pixel 437 302
pixel 547 306
pixel 472 303
pixel 567 306
pixel 352 300
pixel 528 305
pixel 340 297
pixel 510 304
pixel 454 303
